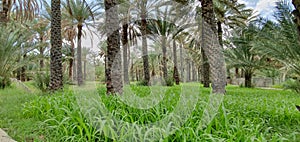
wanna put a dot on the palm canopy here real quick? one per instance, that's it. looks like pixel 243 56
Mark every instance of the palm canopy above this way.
pixel 241 54
pixel 20 9
pixel 280 40
pixel 13 39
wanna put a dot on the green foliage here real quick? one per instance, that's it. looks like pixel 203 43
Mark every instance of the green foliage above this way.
pixel 42 81
pixel 292 84
pixel 13 39
pixel 170 81
pixel 62 117
pixel 4 82
pixel 246 115
pixel 279 40
pixel 142 83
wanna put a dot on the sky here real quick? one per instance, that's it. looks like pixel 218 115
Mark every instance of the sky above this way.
pixel 263 7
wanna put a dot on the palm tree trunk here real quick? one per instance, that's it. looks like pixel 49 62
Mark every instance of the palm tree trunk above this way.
pixel 220 33
pixel 175 72
pixel 125 51
pixel 79 61
pixel 6 4
pixel 164 59
pixel 71 61
pixel 23 70
pixel 56 73
pixel 41 54
pixel 205 63
pixel 41 60
pixel 213 50
pixel 248 78
pixel 144 44
pixel 205 69
pixel 188 71
pixel 84 70
pixel 113 71
pixel 181 62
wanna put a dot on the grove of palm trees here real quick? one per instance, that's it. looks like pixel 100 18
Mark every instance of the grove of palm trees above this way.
pixel 146 70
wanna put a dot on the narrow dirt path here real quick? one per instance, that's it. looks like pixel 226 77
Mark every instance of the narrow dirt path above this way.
pixel 4 137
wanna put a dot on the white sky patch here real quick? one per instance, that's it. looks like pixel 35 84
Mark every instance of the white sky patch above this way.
pixel 266 7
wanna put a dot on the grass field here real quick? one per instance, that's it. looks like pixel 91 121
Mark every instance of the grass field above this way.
pixel 244 115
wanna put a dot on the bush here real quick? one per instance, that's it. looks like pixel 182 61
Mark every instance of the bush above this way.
pixel 293 85
pixel 4 82
pixel 142 83
pixel 170 81
pixel 42 81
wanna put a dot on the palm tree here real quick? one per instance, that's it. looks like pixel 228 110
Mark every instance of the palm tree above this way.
pixel 56 73
pixel 280 40
pixel 24 9
pixel 70 35
pixel 232 14
pixel 215 58
pixel 143 15
pixel 12 49
pixel 242 56
pixel 113 72
pixel 85 52
pixel 41 27
pixel 80 12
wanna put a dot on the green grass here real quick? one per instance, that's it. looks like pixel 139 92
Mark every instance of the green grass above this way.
pixel 11 116
pixel 245 115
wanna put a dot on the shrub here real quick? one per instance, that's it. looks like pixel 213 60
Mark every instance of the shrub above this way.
pixel 292 84
pixel 170 81
pixel 4 82
pixel 42 80
pixel 142 83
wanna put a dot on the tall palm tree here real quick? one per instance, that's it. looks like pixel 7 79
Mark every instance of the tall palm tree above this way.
pixel 56 73
pixel 70 35
pixel 215 58
pixel 113 71
pixel 80 12
pixel 242 56
pixel 143 15
pixel 41 27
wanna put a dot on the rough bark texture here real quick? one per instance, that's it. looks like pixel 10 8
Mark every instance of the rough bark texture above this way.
pixel 6 4
pixel 79 62
pixel 113 71
pixel 71 61
pixel 125 51
pixel 181 62
pixel 205 69
pixel 212 48
pixel 175 72
pixel 23 71
pixel 248 78
pixel 220 33
pixel 205 64
pixel 144 42
pixel 56 73
pixel 296 13
pixel 164 58
pixel 41 53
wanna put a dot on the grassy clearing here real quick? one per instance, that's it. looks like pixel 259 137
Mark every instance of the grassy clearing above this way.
pixel 11 115
pixel 246 115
